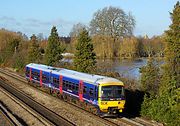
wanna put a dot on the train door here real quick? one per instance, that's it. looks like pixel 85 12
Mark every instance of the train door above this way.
pixel 60 84
pixel 50 80
pixel 81 90
pixel 41 78
pixel 30 74
pixel 96 93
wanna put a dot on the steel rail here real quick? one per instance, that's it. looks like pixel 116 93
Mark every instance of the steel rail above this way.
pixel 42 110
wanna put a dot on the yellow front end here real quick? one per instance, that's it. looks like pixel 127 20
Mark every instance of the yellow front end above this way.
pixel 111 105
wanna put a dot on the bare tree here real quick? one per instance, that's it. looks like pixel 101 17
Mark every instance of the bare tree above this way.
pixel 113 22
pixel 76 29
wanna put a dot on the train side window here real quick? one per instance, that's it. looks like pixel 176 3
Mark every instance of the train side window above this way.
pixel 76 87
pixel 91 91
pixel 57 81
pixel 67 85
pixel 27 71
pixel 85 90
pixel 73 87
pixel 32 73
pixel 64 83
pixel 43 77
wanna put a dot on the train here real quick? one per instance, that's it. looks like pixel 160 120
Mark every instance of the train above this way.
pixel 98 94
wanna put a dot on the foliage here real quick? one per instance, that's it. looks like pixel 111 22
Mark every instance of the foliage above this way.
pixel 85 58
pixel 18 61
pixel 165 106
pixel 13 49
pixel 128 48
pixel 112 21
pixel 9 44
pixel 158 45
pixel 103 46
pixel 54 48
pixel 13 45
pixel 154 46
pixel 150 77
pixel 140 48
pixel 33 50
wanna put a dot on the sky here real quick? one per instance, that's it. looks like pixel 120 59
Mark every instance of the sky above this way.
pixel 38 16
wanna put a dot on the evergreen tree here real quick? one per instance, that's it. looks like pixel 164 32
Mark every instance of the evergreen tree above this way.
pixel 150 77
pixel 54 48
pixel 170 84
pixel 172 68
pixel 33 50
pixel 85 58
pixel 13 45
pixel 165 106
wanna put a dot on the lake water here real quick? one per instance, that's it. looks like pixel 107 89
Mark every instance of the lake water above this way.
pixel 126 68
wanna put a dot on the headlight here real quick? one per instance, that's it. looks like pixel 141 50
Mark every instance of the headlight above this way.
pixel 103 103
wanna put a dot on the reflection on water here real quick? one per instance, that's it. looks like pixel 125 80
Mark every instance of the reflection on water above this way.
pixel 126 68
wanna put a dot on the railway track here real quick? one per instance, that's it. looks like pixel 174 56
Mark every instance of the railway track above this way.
pixel 6 118
pixel 19 78
pixel 42 110
pixel 114 122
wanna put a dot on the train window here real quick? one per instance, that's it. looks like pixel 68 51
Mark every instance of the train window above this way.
pixel 91 91
pixel 44 78
pixel 69 86
pixel 27 71
pixel 76 87
pixel 35 75
pixel 85 90
pixel 57 81
pixel 38 76
pixel 64 84
pixel 73 87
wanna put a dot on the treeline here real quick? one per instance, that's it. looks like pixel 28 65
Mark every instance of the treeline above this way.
pixel 128 47
pixel 13 49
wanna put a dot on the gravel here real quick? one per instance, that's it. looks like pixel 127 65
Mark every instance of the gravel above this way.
pixel 17 110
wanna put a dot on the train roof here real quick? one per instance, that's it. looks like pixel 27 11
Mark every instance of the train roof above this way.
pixel 91 78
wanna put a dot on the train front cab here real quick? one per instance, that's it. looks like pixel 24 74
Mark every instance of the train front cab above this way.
pixel 111 98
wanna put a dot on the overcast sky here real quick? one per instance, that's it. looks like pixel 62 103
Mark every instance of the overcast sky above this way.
pixel 38 16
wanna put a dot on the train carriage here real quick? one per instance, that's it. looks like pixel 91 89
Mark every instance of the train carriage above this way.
pixel 103 95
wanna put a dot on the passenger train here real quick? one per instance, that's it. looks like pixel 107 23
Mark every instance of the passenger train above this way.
pixel 101 95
